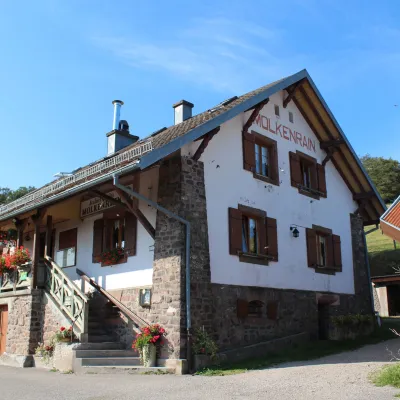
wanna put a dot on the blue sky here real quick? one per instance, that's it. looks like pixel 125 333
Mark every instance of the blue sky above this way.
pixel 63 62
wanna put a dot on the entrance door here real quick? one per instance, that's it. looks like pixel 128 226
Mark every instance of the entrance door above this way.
pixel 3 328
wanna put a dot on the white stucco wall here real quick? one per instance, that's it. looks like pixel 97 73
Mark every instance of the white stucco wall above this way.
pixel 228 184
pixel 138 270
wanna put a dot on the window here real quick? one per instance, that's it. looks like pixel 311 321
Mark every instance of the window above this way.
pixel 276 110
pixel 249 235
pixel 307 175
pixel 323 250
pixel 145 297
pixel 117 229
pixel 260 156
pixel 255 309
pixel 67 242
pixel 252 235
pixel 291 117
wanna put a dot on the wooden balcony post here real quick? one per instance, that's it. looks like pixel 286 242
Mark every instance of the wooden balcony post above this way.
pixel 37 219
pixel 49 232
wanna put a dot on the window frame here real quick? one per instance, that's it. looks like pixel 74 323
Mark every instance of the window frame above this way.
pixel 273 168
pixel 277 111
pixel 291 117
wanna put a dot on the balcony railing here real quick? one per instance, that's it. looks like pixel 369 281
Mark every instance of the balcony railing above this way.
pixel 85 174
pixel 16 280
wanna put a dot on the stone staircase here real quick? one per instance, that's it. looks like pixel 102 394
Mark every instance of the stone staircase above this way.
pixel 104 353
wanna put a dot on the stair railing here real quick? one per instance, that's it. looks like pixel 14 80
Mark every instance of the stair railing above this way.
pixel 69 298
pixel 140 322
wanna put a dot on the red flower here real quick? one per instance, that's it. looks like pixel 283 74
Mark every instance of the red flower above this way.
pixel 62 329
pixel 203 350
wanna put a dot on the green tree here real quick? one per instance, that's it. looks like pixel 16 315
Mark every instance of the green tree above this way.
pixel 385 173
pixel 7 195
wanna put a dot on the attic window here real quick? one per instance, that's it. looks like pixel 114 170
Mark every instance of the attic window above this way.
pixel 276 110
pixel 291 117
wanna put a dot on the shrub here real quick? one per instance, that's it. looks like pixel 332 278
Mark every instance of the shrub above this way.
pixel 204 344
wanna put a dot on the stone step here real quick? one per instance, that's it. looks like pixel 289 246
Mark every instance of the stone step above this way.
pixel 97 331
pixel 110 361
pixel 100 338
pixel 105 353
pixel 123 369
pixel 94 323
pixel 101 346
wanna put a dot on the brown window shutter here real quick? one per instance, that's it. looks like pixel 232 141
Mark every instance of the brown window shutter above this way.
pixel 274 164
pixel 242 308
pixel 272 238
pixel 311 247
pixel 235 231
pixel 130 234
pixel 295 170
pixel 321 180
pixel 272 310
pixel 67 239
pixel 262 236
pixel 98 228
pixel 329 252
pixel 337 252
pixel 249 155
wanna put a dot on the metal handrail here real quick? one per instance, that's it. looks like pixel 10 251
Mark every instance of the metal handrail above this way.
pixel 128 313
pixel 79 176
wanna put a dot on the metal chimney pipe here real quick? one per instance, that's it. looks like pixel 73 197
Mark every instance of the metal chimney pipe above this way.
pixel 117 110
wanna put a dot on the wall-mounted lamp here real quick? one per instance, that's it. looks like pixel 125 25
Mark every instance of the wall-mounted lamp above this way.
pixel 295 231
pixel 27 237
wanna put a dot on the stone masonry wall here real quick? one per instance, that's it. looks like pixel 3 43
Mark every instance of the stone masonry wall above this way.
pixel 24 323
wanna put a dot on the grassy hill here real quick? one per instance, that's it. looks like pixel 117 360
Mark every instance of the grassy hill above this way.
pixel 382 254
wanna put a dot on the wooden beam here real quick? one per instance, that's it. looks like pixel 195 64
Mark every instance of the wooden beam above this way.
pixel 254 114
pixel 363 195
pixel 20 226
pixel 290 95
pixel 134 209
pixel 204 143
pixel 36 219
pixel 361 207
pixel 331 143
pixel 106 197
pixel 329 155
pixel 49 233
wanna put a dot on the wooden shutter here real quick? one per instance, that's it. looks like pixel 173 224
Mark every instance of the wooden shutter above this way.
pixel 321 180
pixel 249 154
pixel 311 247
pixel 337 253
pixel 242 308
pixel 235 231
pixel 274 164
pixel 295 170
pixel 262 236
pixel 272 310
pixel 272 238
pixel 130 234
pixel 98 228
pixel 329 251
pixel 68 239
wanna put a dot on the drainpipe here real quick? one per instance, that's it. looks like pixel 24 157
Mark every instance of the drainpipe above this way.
pixel 187 255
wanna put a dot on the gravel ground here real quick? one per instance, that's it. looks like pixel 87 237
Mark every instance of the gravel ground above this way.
pixel 342 376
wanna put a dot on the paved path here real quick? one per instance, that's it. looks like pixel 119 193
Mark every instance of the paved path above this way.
pixel 342 376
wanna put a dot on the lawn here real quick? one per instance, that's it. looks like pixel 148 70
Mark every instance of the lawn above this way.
pixel 309 351
pixel 382 254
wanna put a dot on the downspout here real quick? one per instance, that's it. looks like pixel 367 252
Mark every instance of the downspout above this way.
pixel 187 255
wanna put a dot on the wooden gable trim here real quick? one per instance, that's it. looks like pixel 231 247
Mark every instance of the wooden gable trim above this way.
pixel 203 145
pixel 331 143
pixel 254 114
pixel 134 209
pixel 334 161
pixel 291 93
pixel 363 195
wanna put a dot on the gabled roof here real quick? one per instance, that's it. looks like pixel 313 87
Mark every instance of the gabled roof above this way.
pixel 307 99
pixel 390 221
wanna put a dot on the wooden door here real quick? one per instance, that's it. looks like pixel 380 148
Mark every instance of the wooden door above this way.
pixel 3 328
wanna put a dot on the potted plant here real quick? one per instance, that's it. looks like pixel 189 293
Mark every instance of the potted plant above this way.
pixel 146 344
pixel 45 352
pixel 204 349
pixel 64 335
pixel 112 257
